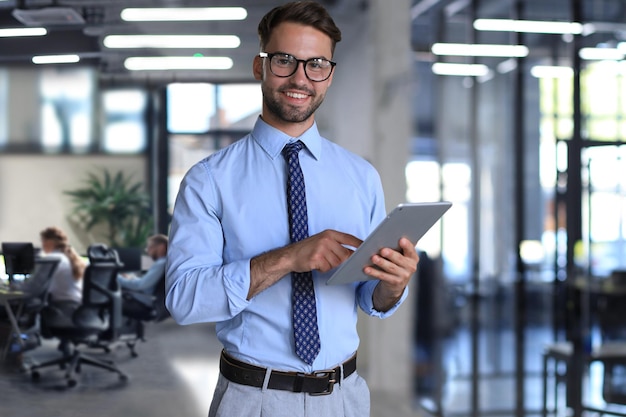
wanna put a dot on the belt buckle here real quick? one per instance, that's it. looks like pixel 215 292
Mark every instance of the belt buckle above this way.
pixel 331 374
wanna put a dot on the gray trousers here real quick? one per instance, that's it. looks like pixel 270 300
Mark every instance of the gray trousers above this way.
pixel 351 398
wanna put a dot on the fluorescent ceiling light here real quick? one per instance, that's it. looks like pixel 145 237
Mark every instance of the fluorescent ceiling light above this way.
pixel 475 70
pixel 528 26
pixel 463 49
pixel 183 14
pixel 171 41
pixel 591 54
pixel 549 71
pixel 55 59
pixel 14 32
pixel 177 63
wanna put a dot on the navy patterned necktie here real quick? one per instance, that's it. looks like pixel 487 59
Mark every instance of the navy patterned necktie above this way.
pixel 307 338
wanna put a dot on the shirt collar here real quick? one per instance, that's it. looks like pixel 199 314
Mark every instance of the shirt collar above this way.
pixel 273 140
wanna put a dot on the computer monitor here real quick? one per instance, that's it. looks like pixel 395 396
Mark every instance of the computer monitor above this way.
pixel 19 258
pixel 131 258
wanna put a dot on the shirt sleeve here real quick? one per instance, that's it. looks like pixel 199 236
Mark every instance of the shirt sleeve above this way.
pixel 365 293
pixel 146 282
pixel 200 287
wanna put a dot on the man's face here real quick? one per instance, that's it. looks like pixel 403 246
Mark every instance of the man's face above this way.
pixel 152 249
pixel 294 99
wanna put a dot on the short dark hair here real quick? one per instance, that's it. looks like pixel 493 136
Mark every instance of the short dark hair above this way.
pixel 56 235
pixel 159 239
pixel 309 13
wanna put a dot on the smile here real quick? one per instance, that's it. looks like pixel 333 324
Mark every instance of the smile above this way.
pixel 295 95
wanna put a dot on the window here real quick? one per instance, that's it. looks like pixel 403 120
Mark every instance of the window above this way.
pixel 63 110
pixel 190 107
pixel 451 182
pixel 124 128
pixel 201 107
pixel 67 110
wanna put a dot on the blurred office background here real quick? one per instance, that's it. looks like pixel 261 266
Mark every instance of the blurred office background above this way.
pixel 511 109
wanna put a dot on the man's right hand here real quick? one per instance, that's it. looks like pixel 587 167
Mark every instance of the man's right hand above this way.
pixel 323 252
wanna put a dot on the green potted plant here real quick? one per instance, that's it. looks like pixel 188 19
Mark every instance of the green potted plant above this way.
pixel 113 209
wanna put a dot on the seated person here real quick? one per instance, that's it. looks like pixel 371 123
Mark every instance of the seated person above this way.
pixel 138 291
pixel 66 286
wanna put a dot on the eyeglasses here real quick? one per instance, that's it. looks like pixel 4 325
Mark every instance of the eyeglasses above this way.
pixel 285 65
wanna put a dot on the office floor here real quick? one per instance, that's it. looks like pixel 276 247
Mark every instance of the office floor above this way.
pixel 174 375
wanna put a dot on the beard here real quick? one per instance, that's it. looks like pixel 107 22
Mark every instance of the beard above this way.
pixel 288 113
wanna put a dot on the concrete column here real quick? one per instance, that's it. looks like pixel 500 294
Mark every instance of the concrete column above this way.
pixel 368 110
pixel 390 341
pixel 368 107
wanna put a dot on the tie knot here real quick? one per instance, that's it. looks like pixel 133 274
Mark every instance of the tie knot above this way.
pixel 292 148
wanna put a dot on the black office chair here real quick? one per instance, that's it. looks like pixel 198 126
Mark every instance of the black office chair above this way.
pixel 95 323
pixel 137 314
pixel 27 309
pixel 37 288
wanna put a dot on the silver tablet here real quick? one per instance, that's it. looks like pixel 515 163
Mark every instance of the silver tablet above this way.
pixel 406 220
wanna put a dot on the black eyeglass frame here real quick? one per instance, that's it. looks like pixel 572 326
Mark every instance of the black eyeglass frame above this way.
pixel 298 62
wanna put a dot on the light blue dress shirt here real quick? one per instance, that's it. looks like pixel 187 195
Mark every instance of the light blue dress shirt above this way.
pixel 143 287
pixel 231 207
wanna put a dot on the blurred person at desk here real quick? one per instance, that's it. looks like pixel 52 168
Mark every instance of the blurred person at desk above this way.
pixel 138 290
pixel 66 282
pixel 66 286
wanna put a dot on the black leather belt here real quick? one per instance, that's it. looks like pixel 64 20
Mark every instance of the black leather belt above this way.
pixel 316 383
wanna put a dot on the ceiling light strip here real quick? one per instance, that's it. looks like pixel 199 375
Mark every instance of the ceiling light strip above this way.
pixel 170 14
pixel 528 26
pixel 165 63
pixel 56 59
pixel 550 71
pixel 487 50
pixel 171 41
pixel 600 54
pixel 16 32
pixel 467 70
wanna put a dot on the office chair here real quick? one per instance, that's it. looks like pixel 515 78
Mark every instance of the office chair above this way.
pixel 27 309
pixel 136 314
pixel 94 323
pixel 37 288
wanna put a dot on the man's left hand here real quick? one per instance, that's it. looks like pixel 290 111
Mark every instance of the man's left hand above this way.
pixel 394 269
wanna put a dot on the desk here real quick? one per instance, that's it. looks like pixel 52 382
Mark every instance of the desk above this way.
pixel 7 295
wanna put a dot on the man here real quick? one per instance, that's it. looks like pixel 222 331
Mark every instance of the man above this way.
pixel 139 290
pixel 231 260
